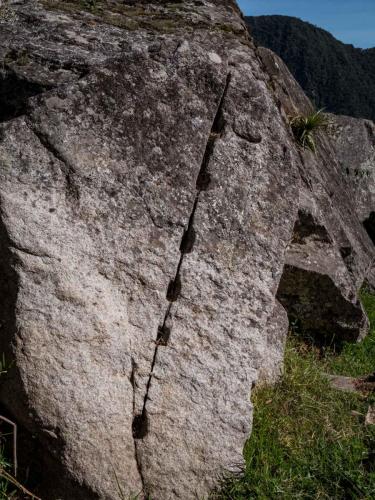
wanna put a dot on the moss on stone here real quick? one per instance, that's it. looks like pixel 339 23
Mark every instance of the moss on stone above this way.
pixel 170 18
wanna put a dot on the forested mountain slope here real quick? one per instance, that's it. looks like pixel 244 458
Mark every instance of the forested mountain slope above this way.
pixel 334 75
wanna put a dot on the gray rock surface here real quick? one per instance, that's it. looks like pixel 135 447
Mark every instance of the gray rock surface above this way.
pixel 139 158
pixel 354 141
pixel 330 253
pixel 150 188
pixel 342 383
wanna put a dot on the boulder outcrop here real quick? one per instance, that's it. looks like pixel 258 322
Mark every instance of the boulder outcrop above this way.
pixel 150 192
pixel 330 253
pixel 354 141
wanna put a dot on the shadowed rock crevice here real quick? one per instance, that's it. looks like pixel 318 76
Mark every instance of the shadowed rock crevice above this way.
pixel 204 176
pixel 306 228
pixel 141 421
pixel 317 306
pixel 14 94
pixel 369 225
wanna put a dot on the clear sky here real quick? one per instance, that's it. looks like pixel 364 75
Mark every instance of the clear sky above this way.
pixel 351 21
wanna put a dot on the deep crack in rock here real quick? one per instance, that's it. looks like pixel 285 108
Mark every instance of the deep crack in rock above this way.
pixel 141 421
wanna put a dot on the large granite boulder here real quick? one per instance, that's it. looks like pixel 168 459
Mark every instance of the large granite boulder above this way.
pixel 150 188
pixel 147 199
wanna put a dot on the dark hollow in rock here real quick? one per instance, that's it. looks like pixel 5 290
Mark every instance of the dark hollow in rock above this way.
pixel 140 426
pixel 204 180
pixel 346 252
pixel 188 240
pixel 174 289
pixel 164 334
pixel 307 228
pixel 14 94
pixel 323 314
pixel 254 138
pixel 369 224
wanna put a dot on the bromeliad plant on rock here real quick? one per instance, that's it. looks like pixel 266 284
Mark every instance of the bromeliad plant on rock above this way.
pixel 305 127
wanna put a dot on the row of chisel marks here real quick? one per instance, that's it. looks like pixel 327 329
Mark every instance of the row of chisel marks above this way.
pixel 140 422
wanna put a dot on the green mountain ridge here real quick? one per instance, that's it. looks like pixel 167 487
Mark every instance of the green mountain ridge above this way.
pixel 336 76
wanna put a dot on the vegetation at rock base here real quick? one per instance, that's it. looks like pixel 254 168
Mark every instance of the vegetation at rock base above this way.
pixel 305 127
pixel 309 441
pixel 336 76
pixel 5 491
pixel 9 486
pixel 355 359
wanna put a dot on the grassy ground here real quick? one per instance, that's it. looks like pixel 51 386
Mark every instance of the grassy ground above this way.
pixel 355 359
pixel 7 491
pixel 309 441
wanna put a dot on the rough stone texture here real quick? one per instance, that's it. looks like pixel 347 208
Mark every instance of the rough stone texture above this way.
pixel 142 158
pixel 354 141
pixel 277 328
pixel 330 253
pixel 342 383
pixel 149 191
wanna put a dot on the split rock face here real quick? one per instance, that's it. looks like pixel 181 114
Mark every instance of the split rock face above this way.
pixel 150 191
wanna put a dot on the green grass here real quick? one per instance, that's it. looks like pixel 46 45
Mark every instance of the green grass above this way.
pixel 355 359
pixel 5 488
pixel 305 127
pixel 309 441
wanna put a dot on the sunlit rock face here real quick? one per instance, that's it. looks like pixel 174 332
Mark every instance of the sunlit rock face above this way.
pixel 354 141
pixel 150 195
pixel 329 254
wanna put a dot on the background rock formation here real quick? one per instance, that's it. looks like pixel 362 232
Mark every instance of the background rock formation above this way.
pixel 354 141
pixel 150 189
pixel 329 254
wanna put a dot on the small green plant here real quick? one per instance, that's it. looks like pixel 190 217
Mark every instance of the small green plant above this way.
pixel 90 4
pixel 356 359
pixel 305 127
pixel 5 366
